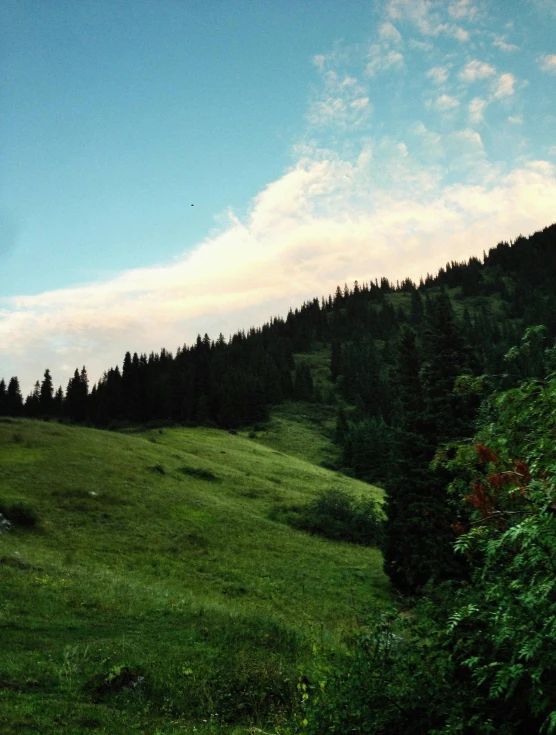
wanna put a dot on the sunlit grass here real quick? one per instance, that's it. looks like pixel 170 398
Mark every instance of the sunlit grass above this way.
pixel 157 585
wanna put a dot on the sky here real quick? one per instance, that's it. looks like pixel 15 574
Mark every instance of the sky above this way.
pixel 175 167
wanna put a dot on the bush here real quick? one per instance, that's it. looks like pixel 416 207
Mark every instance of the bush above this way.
pixel 337 515
pixel 19 514
pixel 199 473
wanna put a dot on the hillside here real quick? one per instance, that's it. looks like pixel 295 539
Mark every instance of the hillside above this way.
pixel 155 593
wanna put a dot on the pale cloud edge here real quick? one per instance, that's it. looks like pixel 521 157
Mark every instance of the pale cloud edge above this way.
pixel 547 63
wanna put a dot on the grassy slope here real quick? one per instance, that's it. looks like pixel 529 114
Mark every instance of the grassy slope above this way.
pixel 142 569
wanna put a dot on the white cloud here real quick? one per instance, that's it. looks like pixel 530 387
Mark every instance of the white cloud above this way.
pixel 468 137
pixel 438 74
pixel 475 70
pixel 446 103
pixel 504 86
pixel 319 61
pixel 477 108
pixel 463 10
pixel 360 104
pixel 423 46
pixel 381 60
pixel 322 223
pixel 515 119
pixel 390 33
pixel 500 43
pixel 338 102
pixel 426 16
pixel 548 63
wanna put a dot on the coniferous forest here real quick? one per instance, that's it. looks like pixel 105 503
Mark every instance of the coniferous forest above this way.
pixel 445 396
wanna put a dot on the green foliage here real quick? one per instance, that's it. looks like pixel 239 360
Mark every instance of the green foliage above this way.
pixel 337 515
pixel 511 537
pixel 394 678
pixel 477 656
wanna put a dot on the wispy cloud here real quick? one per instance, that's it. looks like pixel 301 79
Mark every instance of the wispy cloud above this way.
pixel 380 60
pixel 548 63
pixel 438 74
pixel 387 53
pixel 463 10
pixel 476 70
pixel 389 32
pixel 501 44
pixel 515 120
pixel 444 103
pixel 341 102
pixel 428 17
pixel 477 108
pixel 504 87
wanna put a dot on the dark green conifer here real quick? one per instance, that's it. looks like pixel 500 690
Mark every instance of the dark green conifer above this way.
pixel 14 399
pixel 47 394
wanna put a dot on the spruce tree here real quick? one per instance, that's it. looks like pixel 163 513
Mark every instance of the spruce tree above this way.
pixel 47 394
pixel 14 399
pixel 407 559
pixel 33 401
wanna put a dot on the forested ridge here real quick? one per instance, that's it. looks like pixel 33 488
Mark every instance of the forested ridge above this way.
pixel 234 382
pixel 445 393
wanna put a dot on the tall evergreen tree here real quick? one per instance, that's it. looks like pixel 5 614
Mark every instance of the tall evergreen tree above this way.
pixel 47 394
pixel 407 552
pixel 33 401
pixel 14 399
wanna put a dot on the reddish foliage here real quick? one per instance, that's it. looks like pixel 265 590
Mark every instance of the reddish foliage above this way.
pixel 497 480
pixel 481 499
pixel 523 471
pixel 458 529
pixel 486 454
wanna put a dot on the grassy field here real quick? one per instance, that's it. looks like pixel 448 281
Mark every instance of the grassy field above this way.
pixel 156 595
pixel 302 430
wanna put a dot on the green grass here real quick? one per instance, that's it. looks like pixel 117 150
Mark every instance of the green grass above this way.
pixel 302 430
pixel 156 594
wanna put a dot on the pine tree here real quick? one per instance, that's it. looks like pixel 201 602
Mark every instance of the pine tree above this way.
pixel 33 401
pixel 447 355
pixel 47 394
pixel 76 396
pixel 14 399
pixel 405 549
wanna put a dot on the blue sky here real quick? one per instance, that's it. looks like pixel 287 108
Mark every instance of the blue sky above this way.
pixel 319 143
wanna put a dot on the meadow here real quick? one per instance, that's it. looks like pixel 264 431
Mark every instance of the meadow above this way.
pixel 156 593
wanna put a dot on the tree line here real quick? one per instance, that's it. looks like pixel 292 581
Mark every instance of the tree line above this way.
pixel 395 352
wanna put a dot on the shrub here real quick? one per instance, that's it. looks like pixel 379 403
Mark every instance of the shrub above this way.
pixel 199 473
pixel 337 515
pixel 19 514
